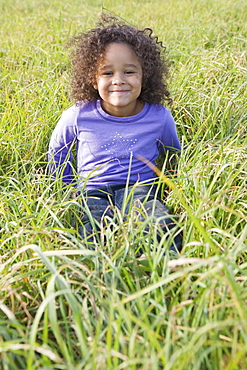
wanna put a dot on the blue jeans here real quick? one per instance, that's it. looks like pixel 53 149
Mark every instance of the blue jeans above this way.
pixel 99 203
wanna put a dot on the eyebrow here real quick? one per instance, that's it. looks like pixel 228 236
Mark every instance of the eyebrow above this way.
pixel 129 65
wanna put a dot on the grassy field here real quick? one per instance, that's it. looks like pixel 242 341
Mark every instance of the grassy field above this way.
pixel 65 307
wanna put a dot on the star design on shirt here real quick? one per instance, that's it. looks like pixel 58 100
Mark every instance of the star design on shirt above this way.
pixel 119 146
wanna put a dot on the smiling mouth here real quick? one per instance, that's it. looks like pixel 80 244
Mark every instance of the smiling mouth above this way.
pixel 119 91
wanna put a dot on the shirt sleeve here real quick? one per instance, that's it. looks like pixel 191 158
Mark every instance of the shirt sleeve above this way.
pixel 169 139
pixel 60 148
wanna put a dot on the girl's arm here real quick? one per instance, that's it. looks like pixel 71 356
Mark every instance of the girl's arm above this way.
pixel 169 141
pixel 169 146
pixel 60 148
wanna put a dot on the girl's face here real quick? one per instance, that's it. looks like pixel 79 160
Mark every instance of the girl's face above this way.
pixel 119 81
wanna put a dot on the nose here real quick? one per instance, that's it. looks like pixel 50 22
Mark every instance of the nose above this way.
pixel 118 79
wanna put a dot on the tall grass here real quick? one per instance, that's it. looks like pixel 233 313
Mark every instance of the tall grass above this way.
pixel 63 306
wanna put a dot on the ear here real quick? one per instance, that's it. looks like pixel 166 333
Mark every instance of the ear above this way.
pixel 95 85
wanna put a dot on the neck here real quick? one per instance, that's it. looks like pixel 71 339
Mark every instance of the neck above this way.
pixel 131 110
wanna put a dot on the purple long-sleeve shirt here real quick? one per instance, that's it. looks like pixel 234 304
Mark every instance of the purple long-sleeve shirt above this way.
pixel 108 148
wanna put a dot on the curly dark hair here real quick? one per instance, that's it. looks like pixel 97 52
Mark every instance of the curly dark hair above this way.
pixel 88 51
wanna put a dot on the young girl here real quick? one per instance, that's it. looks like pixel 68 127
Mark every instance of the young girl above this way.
pixel 118 117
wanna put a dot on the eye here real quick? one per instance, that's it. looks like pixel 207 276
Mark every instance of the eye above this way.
pixel 107 73
pixel 129 72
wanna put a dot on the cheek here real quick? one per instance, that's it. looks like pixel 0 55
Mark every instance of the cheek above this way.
pixel 140 83
pixel 140 80
pixel 100 84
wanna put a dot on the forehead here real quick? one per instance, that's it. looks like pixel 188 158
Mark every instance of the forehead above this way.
pixel 121 52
